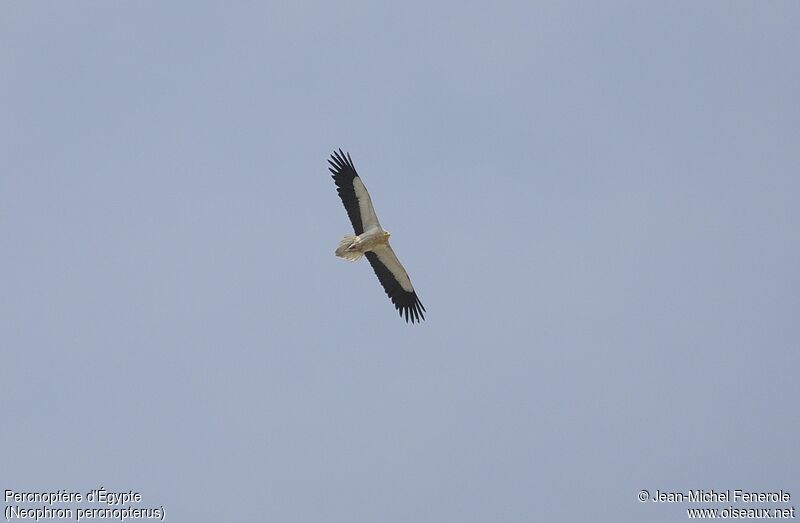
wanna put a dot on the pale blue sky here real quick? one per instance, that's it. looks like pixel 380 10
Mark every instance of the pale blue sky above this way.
pixel 597 203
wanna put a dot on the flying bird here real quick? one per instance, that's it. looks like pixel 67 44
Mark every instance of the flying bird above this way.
pixel 371 240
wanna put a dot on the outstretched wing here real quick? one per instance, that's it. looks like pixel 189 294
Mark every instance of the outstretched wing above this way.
pixel 353 193
pixel 396 282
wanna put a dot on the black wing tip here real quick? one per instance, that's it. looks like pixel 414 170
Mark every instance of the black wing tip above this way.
pixel 413 312
pixel 339 156
pixel 340 159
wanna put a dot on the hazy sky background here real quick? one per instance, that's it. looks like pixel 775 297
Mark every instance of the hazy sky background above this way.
pixel 597 203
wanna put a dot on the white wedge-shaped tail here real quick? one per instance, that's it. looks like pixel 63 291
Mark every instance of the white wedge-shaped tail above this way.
pixel 344 251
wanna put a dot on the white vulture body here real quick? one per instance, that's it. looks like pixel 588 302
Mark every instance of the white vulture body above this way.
pixel 371 240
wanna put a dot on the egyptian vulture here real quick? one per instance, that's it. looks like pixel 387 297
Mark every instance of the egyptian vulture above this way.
pixel 371 240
